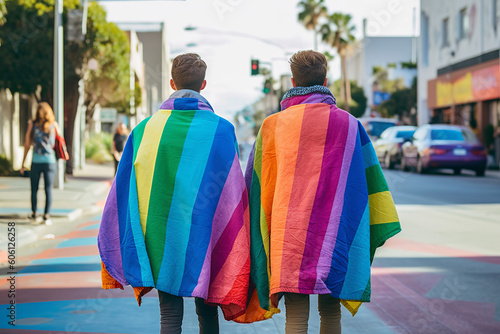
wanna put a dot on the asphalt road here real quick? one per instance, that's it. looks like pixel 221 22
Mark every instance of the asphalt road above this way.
pixel 441 274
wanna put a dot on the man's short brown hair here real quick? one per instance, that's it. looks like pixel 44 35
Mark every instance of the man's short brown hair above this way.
pixel 188 71
pixel 308 68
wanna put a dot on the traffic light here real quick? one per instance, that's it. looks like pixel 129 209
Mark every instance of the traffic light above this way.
pixel 267 86
pixel 255 67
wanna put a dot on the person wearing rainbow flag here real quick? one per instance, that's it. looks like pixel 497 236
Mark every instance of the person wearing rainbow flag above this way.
pixel 176 218
pixel 319 205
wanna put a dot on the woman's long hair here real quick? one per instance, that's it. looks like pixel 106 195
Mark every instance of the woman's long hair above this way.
pixel 44 116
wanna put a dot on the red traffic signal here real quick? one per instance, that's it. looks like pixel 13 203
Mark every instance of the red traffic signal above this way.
pixel 255 67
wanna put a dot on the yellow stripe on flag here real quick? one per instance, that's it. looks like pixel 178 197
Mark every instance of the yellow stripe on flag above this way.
pixel 382 208
pixel 146 159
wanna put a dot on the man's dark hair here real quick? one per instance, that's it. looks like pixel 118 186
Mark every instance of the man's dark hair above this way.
pixel 188 71
pixel 308 68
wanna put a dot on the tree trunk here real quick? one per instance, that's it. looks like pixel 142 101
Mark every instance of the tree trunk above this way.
pixel 70 110
pixel 345 83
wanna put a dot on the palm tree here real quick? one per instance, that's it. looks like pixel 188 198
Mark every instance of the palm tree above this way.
pixel 311 12
pixel 338 33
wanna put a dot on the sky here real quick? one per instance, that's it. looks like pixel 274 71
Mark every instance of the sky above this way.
pixel 231 32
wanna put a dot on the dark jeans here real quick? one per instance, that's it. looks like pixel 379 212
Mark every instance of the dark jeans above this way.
pixel 172 311
pixel 49 172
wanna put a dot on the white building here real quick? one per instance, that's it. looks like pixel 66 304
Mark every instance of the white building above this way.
pixel 458 63
pixel 152 37
pixel 380 51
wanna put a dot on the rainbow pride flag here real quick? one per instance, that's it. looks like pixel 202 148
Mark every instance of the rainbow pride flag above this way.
pixel 319 205
pixel 176 218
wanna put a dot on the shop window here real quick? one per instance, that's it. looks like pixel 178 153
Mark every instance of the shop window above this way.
pixel 463 24
pixel 444 33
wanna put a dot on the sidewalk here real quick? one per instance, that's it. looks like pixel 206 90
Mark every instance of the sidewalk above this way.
pixel 76 200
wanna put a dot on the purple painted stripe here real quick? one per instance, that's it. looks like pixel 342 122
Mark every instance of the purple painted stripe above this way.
pixel 325 259
pixel 226 241
pixel 108 239
pixel 331 167
pixel 228 202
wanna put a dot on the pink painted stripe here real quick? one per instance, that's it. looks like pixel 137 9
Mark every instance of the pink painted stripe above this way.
pixel 228 202
pixel 325 259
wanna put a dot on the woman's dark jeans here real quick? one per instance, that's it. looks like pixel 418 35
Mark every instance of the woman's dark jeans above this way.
pixel 49 172
pixel 172 311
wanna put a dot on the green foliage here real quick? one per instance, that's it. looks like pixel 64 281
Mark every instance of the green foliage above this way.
pixel 384 84
pixel 27 51
pixel 377 69
pixel 338 31
pixel 408 64
pixel 98 148
pixel 3 11
pixel 109 83
pixel 357 107
pixel 5 169
pixel 400 102
pixel 311 11
pixel 359 98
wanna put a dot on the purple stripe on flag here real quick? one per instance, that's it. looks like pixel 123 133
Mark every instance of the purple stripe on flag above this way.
pixel 331 168
pixel 325 259
pixel 168 104
pixel 108 239
pixel 228 202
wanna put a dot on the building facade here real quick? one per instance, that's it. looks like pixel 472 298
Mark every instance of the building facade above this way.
pixel 459 65
pixel 152 37
pixel 380 51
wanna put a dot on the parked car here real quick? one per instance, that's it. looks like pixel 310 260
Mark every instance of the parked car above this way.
pixel 444 146
pixel 375 126
pixel 388 146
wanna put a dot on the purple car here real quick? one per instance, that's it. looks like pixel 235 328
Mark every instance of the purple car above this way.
pixel 444 146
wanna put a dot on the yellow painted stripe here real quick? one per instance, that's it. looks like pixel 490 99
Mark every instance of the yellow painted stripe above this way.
pixel 382 208
pixel 146 160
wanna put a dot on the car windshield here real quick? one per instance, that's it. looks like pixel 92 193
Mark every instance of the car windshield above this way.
pixel 376 128
pixel 442 134
pixel 405 134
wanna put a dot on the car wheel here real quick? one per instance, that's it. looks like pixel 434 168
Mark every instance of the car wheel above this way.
pixel 480 172
pixel 388 161
pixel 457 171
pixel 402 165
pixel 420 167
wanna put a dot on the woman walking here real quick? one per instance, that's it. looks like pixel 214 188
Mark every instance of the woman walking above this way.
pixel 118 144
pixel 41 134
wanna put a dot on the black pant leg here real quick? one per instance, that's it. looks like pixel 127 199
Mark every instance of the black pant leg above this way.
pixel 208 317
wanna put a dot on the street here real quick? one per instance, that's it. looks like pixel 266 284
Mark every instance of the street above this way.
pixel 439 275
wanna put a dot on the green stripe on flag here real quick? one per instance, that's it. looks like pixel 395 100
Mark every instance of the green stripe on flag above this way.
pixel 379 233
pixel 375 180
pixel 162 189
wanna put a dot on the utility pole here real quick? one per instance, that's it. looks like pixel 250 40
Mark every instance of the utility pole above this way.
pixel 59 83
